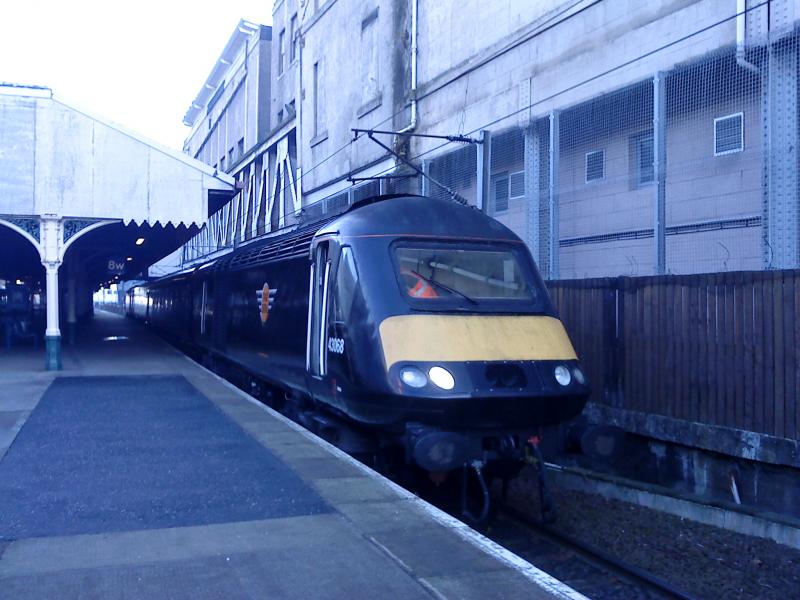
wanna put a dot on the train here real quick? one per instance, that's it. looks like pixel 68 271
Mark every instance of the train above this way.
pixel 408 322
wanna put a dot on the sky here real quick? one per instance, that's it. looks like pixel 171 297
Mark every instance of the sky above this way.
pixel 139 64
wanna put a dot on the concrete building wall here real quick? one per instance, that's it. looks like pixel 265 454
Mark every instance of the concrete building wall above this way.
pixel 702 186
pixel 454 33
pixel 508 66
pixel 699 185
pixel 360 73
pixel 568 45
pixel 284 77
pixel 625 257
pixel 234 114
pixel 17 152
pixel 261 96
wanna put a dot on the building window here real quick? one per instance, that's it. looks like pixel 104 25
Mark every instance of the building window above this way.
pixel 241 147
pixel 281 50
pixel 294 35
pixel 642 147
pixel 729 134
pixel 231 157
pixel 595 165
pixel 369 57
pixel 318 99
pixel 507 186
pixel 280 116
pixel 222 164
pixel 500 192
pixel 516 185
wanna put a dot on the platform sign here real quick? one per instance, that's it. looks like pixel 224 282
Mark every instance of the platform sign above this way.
pixel 116 266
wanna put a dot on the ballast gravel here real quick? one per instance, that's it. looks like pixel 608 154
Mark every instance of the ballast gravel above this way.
pixel 702 560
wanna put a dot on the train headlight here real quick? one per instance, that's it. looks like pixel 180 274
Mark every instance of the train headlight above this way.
pixel 442 378
pixel 579 376
pixel 562 375
pixel 413 377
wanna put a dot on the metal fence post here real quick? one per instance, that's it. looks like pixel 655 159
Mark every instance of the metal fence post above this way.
pixel 484 152
pixel 782 230
pixel 533 196
pixel 659 170
pixel 553 195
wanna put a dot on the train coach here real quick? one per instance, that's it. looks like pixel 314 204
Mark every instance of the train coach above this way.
pixel 419 323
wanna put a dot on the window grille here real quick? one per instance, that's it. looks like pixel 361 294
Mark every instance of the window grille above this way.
pixel 595 165
pixel 517 185
pixel 729 134
pixel 500 192
pixel 643 158
pixel 366 190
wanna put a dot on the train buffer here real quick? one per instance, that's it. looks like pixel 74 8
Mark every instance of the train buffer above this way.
pixel 136 473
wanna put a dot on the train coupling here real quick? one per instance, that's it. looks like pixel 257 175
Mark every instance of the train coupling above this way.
pixel 533 456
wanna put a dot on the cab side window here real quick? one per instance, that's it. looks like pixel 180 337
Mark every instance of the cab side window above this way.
pixel 344 286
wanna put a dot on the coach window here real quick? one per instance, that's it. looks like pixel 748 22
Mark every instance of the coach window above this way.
pixel 344 286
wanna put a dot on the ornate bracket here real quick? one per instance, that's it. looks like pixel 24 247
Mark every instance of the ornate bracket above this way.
pixel 29 225
pixel 75 226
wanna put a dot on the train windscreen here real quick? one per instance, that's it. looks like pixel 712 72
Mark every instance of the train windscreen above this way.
pixel 471 276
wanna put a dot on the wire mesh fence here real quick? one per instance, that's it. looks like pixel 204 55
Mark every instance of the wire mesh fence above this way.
pixel 691 170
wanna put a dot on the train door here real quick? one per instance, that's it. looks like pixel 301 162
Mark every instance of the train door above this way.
pixel 317 313
pixel 203 303
pixel 218 309
pixel 342 291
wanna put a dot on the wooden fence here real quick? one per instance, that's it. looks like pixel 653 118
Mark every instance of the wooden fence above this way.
pixel 719 349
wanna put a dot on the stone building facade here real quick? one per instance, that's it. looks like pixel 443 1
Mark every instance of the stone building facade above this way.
pixel 616 138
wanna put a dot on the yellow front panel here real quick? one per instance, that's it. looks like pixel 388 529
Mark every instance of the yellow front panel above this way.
pixel 458 338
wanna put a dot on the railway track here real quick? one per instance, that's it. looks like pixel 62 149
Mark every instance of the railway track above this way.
pixel 590 571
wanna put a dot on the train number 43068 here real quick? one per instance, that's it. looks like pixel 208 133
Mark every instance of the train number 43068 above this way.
pixel 336 345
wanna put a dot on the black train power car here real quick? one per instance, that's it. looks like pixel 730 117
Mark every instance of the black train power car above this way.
pixel 420 322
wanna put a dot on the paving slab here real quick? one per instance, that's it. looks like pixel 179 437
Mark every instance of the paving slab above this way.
pixel 432 550
pixel 11 422
pixel 138 452
pixel 483 585
pixel 374 517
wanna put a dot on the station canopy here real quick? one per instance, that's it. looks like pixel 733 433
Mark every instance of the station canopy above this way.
pixel 77 188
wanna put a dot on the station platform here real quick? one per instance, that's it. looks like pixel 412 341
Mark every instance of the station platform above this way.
pixel 136 473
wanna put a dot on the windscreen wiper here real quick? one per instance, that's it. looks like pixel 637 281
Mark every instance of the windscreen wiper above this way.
pixel 446 288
